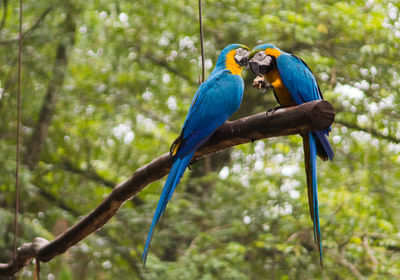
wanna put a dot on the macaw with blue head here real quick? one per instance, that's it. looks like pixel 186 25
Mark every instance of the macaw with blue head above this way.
pixel 215 100
pixel 293 84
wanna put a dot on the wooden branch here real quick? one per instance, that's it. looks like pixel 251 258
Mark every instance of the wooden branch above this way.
pixel 24 255
pixel 307 117
pixel 58 202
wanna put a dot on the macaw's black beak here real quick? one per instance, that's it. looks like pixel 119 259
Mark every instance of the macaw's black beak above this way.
pixel 254 67
pixel 261 63
pixel 242 57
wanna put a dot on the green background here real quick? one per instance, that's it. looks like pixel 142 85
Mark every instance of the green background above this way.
pixel 119 78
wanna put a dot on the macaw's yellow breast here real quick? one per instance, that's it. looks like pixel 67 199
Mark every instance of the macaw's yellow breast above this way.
pixel 231 63
pixel 281 92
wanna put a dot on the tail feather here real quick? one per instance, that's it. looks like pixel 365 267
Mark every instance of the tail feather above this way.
pixel 310 155
pixel 306 148
pixel 325 151
pixel 177 170
pixel 184 163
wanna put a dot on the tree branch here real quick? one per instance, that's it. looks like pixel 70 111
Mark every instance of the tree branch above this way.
pixel 164 64
pixel 115 242
pixel 161 61
pixel 370 252
pixel 56 200
pixel 94 176
pixel 30 30
pixel 24 255
pixel 343 261
pixel 3 19
pixel 371 131
pixel 307 117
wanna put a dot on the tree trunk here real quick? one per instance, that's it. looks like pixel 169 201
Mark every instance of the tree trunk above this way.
pixel 36 144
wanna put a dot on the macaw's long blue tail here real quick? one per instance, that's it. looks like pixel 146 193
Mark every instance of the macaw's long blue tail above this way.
pixel 324 148
pixel 174 176
pixel 310 157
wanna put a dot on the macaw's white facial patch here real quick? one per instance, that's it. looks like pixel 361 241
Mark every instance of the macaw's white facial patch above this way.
pixel 263 58
pixel 260 63
pixel 242 56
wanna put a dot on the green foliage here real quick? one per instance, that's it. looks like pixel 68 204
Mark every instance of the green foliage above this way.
pixel 132 70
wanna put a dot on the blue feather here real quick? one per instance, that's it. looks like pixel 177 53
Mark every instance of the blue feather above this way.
pixel 313 167
pixel 182 167
pixel 215 100
pixel 323 139
pixel 302 86
pixel 177 170
pixel 298 79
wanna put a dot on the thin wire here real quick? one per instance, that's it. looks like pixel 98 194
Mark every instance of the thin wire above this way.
pixel 207 161
pixel 202 42
pixel 18 132
pixel 36 273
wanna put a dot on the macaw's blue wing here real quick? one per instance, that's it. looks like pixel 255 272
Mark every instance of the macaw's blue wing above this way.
pixel 298 79
pixel 215 100
pixel 300 82
pixel 219 96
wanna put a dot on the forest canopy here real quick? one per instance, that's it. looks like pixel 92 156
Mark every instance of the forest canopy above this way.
pixel 105 89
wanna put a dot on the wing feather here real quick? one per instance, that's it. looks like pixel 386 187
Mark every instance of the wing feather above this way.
pixel 298 79
pixel 217 98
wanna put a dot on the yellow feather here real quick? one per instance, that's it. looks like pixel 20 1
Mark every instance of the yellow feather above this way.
pixel 176 148
pixel 280 90
pixel 273 52
pixel 231 63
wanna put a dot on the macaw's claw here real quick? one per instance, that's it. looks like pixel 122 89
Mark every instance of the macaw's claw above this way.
pixel 260 83
pixel 272 110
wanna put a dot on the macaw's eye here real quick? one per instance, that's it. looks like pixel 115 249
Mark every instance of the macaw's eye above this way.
pixel 260 55
pixel 242 52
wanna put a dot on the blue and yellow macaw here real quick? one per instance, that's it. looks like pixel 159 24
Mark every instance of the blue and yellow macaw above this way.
pixel 293 84
pixel 215 100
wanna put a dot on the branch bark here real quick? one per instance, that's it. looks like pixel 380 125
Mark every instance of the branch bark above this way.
pixel 58 202
pixel 307 117
pixel 23 257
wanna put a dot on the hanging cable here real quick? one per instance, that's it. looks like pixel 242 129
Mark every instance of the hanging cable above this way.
pixel 18 131
pixel 207 160
pixel 202 42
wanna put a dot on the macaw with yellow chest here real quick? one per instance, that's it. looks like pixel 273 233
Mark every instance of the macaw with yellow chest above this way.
pixel 293 84
pixel 215 100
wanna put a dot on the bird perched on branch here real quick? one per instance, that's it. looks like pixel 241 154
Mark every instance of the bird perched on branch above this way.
pixel 215 100
pixel 293 84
